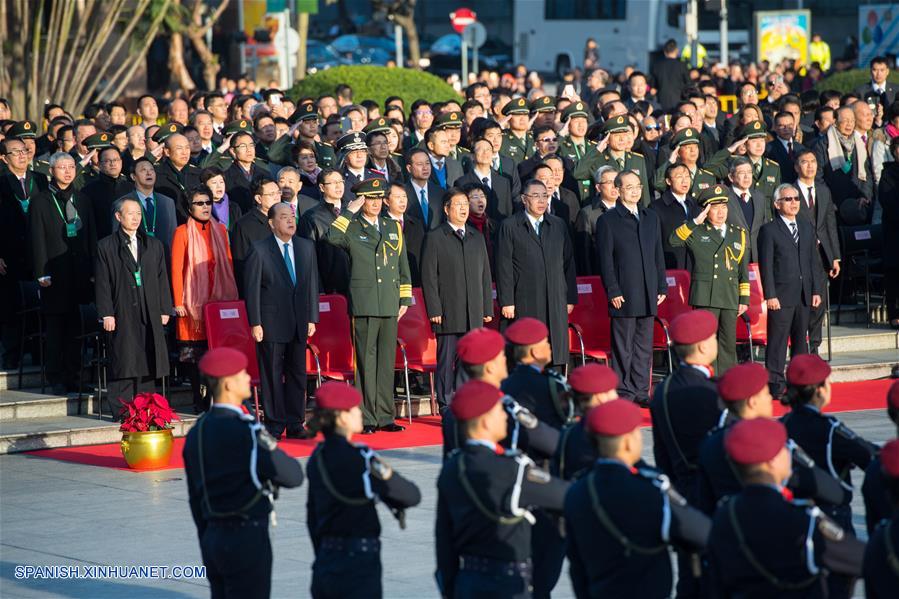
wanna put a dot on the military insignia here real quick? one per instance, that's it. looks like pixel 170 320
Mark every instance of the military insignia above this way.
pixel 770 179
pixel 454 116
pixel 243 124
pixel 703 186
pixel 756 125
pixel 636 170
pixel 376 183
pixel 689 132
pixel 173 127
pixel 520 101
pixel 382 122
pixel 26 125
pixel 718 189
pixel 738 246
pixel 392 236
pixel 620 120
pixel 705 238
pixel 104 137
pixel 579 106
pixel 363 238
pixel 536 475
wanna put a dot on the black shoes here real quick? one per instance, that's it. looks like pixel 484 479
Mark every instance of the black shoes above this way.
pixel 301 433
pixel 392 428
pixel 369 430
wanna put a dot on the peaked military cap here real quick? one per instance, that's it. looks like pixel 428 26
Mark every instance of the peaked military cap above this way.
pixel 354 140
pixel 166 131
pixel 576 109
pixel 448 120
pixel 371 188
pixel 243 125
pixel 684 137
pixel 616 124
pixel 544 104
pixel 378 125
pixel 303 112
pixel 516 106
pixel 713 194
pixel 22 130
pixel 753 129
pixel 98 141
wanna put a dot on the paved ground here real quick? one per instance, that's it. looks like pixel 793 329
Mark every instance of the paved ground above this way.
pixel 55 513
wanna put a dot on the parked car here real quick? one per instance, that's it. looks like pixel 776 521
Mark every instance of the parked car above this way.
pixel 445 55
pixel 321 56
pixel 365 49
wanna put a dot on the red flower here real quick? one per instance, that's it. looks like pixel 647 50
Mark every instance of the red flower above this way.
pixel 146 412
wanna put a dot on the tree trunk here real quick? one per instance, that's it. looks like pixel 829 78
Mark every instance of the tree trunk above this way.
pixel 303 30
pixel 408 25
pixel 180 75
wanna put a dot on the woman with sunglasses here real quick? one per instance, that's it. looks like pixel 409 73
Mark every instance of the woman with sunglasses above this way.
pixel 202 272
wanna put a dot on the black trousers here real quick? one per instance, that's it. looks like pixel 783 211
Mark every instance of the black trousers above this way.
pixel 119 390
pixel 547 553
pixel 238 561
pixel 632 356
pixel 63 349
pixel 891 284
pixel 816 317
pixel 790 323
pixel 449 373
pixel 282 381
pixel 479 585
pixel 346 575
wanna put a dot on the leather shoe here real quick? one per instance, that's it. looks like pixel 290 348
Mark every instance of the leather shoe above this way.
pixel 301 433
pixel 392 428
pixel 369 430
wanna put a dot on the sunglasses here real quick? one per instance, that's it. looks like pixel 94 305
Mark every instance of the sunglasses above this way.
pixel 652 127
pixel 547 140
pixel 789 199
pixel 206 203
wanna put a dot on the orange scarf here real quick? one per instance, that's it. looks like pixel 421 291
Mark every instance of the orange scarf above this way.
pixel 196 279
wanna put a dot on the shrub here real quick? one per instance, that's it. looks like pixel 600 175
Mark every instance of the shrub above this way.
pixel 847 81
pixel 376 83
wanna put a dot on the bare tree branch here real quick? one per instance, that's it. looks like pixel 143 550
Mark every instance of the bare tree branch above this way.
pixel 125 72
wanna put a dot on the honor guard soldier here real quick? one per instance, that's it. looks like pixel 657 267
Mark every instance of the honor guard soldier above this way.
pixel 827 440
pixel 684 409
pixel 518 143
pixel 380 293
pixel 720 274
pixel 575 145
pixel 304 121
pixel 482 357
pixel 483 532
pixel 686 150
pixel 763 544
pixel 614 150
pixel 744 391
pixel 877 501
pixel 591 385
pixel 619 520
pixel 346 481
pixel 881 567
pixel 232 504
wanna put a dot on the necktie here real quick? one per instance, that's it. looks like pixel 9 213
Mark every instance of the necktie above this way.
pixel 811 198
pixel 723 231
pixel 439 165
pixel 757 169
pixel 132 245
pixel 151 212
pixel 424 205
pixel 460 234
pixel 555 196
pixel 865 138
pixel 289 263
pixel 537 227
pixel 795 231
pixel 744 197
pixel 790 148
pixel 486 181
pixel 620 164
pixel 24 190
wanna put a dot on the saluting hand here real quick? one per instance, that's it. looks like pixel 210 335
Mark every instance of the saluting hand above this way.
pixel 355 205
pixel 732 148
pixel 226 144
pixel 603 143
pixel 157 151
pixel 702 215
pixel 109 323
pixel 257 333
pixel 87 159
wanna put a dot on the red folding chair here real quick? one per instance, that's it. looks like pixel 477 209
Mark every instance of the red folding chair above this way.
pixel 329 352
pixel 589 327
pixel 752 327
pixel 227 326
pixel 677 302
pixel 416 349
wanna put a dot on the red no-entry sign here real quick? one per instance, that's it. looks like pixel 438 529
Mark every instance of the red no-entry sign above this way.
pixel 462 18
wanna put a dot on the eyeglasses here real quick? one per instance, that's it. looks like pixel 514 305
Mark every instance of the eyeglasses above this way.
pixel 246 146
pixel 630 188
pixel 789 199
pixel 459 205
pixel 537 196
pixel 17 152
pixel 334 183
pixel 423 112
pixel 206 203
pixel 111 161
pixel 270 194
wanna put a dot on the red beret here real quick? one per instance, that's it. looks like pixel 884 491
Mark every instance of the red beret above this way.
pixel 526 331
pixel 693 326
pixel 614 418
pixel 807 369
pixel 222 361
pixel 889 458
pixel 755 441
pixel 893 396
pixel 474 399
pixel 742 381
pixel 480 346
pixel 334 395
pixel 593 378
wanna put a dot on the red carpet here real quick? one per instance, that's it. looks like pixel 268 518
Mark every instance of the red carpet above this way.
pixel 424 431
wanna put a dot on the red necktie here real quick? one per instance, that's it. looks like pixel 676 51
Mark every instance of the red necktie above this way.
pixel 811 198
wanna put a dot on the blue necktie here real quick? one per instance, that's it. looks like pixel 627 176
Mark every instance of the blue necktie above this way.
pixel 424 205
pixel 150 210
pixel 289 263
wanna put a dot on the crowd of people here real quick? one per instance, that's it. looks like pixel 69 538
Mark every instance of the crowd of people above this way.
pixel 273 200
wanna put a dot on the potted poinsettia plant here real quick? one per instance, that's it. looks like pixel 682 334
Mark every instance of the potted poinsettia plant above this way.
pixel 147 431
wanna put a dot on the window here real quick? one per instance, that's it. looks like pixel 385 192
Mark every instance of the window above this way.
pixel 585 9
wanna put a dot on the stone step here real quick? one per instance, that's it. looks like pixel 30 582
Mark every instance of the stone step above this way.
pixel 26 404
pixel 863 365
pixel 31 377
pixel 845 339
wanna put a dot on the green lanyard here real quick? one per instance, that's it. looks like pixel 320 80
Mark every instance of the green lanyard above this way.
pixel 150 231
pixel 24 202
pixel 71 227
pixel 577 152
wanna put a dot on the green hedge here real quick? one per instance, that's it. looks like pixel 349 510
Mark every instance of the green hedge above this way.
pixel 847 81
pixel 376 83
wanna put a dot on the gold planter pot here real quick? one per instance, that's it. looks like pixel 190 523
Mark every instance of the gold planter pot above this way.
pixel 147 450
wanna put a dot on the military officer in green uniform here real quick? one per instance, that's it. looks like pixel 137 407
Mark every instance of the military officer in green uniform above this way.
pixel 86 172
pixel 613 151
pixel 765 172
pixel 544 111
pixel 304 121
pixel 686 150
pixel 518 143
pixel 380 293
pixel 451 122
pixel 26 132
pixel 720 277
pixel 575 145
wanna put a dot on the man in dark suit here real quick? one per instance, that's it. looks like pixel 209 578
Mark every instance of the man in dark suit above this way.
pixel 502 164
pixel 396 206
pixel 500 202
pixel 158 211
pixel 444 169
pixel 333 262
pixel 784 148
pixel 791 281
pixel 816 205
pixel 635 284
pixel 425 196
pixel 456 286
pixel 253 226
pixel 585 225
pixel 563 203
pixel 748 207
pixel 104 189
pixel 673 208
pixel 535 268
pixel 175 176
pixel 244 171
pixel 880 71
pixel 281 289
pixel 671 76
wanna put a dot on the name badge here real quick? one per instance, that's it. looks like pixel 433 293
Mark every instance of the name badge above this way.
pixel 703 186
pixel 137 279
pixel 71 230
pixel 738 246
pixel 392 236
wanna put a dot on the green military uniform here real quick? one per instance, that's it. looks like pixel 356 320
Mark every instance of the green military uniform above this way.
pixel 701 178
pixel 279 150
pixel 573 151
pixel 587 166
pixel 765 172
pixel 84 174
pixel 517 148
pixel 380 283
pixel 720 279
